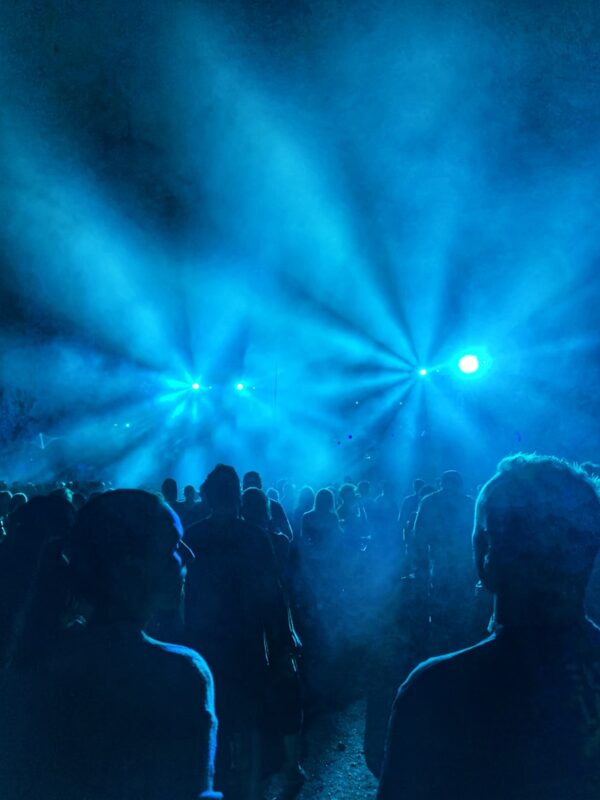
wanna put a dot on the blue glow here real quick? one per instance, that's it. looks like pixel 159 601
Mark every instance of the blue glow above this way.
pixel 468 364
pixel 372 243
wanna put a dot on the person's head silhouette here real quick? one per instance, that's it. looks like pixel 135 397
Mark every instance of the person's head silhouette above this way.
pixel 537 533
pixel 255 507
pixel 221 490
pixel 127 555
pixel 252 479
pixel 169 490
pixel 451 481
pixel 324 501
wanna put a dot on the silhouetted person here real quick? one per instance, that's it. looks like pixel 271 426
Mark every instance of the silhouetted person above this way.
pixel 287 496
pixel 517 715
pixel 255 509
pixel 319 596
pixel 107 712
pixel 252 479
pixel 442 540
pixel 30 558
pixel 387 545
pixel 191 510
pixel 169 491
pixel 409 531
pixel 321 528
pixel 386 506
pixel 284 705
pixel 304 503
pixel 410 504
pixel 235 613
pixel 16 501
pixel 367 501
pixel 352 516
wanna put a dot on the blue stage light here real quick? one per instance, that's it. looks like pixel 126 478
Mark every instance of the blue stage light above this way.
pixel 423 371
pixel 468 364
pixel 240 387
pixel 195 386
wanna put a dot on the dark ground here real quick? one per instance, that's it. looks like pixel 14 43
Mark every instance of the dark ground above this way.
pixel 334 757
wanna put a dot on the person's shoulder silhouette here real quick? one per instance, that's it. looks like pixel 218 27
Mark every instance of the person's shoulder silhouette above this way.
pixel 517 715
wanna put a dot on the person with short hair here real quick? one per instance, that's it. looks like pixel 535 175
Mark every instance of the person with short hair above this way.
pixel 236 615
pixel 410 504
pixel 106 711
pixel 441 542
pixel 518 714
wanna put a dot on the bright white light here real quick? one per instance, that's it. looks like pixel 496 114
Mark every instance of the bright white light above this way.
pixel 239 387
pixel 195 386
pixel 468 364
pixel 423 372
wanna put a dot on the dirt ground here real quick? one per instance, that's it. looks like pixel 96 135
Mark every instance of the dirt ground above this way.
pixel 334 759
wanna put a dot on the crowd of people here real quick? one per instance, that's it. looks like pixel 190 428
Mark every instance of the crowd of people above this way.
pixel 156 644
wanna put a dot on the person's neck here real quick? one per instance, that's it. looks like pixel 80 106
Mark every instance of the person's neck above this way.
pixel 537 611
pixel 111 615
pixel 224 513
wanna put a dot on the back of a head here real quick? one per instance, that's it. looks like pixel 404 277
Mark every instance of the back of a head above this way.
pixel 63 492
pixel 111 528
pixel 347 493
pixel 255 507
pixel 324 501
pixel 42 519
pixel 537 526
pixel 252 479
pixel 37 577
pixel 189 493
pixel 418 484
pixel 16 501
pixel 452 481
pixel 221 489
pixel 169 490
pixel 306 498
pixel 426 490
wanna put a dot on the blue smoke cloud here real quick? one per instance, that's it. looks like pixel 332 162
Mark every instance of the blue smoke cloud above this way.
pixel 316 200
